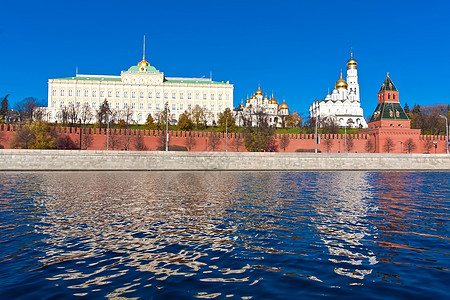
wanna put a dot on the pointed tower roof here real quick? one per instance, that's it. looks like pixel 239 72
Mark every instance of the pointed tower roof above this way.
pixel 388 109
pixel 388 85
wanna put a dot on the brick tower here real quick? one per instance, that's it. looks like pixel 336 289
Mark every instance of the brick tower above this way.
pixel 389 120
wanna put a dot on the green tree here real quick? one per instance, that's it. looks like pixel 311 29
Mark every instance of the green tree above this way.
pixel 406 108
pixel 150 123
pixel 199 117
pixel 162 118
pixel 293 120
pixel 34 135
pixel 184 122
pixel 226 120
pixel 104 114
pixel 260 138
pixel 416 109
pixel 4 107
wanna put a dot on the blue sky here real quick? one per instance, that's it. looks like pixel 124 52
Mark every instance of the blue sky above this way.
pixel 295 48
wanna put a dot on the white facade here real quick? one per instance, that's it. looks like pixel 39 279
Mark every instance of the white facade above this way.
pixel 257 103
pixel 138 92
pixel 343 104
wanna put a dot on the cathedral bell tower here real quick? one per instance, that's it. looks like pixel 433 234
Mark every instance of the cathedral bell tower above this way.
pixel 352 78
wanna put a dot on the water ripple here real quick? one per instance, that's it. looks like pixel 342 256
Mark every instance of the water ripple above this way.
pixel 224 235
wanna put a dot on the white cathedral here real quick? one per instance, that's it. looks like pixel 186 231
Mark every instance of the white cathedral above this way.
pixel 343 104
pixel 276 114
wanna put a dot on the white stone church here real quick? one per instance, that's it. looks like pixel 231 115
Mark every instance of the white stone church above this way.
pixel 343 104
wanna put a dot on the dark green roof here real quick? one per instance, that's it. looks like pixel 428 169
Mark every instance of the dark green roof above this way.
pixel 389 111
pixel 388 85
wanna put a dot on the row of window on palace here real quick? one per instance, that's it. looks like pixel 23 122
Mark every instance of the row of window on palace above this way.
pixel 140 118
pixel 158 106
pixel 142 95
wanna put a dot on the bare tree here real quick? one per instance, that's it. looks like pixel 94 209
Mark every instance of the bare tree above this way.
pixel 64 115
pixel 238 141
pixel 162 139
pixel 86 114
pixel 1 137
pixel 368 146
pixel 26 108
pixel 284 141
pixel 115 139
pixel 388 145
pixel 350 143
pixel 328 144
pixel 86 138
pixel 190 141
pixel 410 145
pixel 139 143
pixel 428 145
pixel 126 115
pixel 72 114
pixel 127 138
pixel 38 113
pixel 213 140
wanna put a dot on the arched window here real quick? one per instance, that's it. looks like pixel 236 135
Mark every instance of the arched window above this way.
pixel 393 96
pixel 389 96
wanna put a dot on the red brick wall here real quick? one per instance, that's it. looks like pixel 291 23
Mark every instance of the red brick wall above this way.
pixel 296 141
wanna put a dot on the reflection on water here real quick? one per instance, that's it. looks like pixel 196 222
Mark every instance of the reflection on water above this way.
pixel 223 234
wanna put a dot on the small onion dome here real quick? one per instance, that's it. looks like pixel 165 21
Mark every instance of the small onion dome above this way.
pixel 253 97
pixel 351 62
pixel 273 101
pixel 259 92
pixel 247 101
pixel 283 106
pixel 143 63
pixel 242 105
pixel 266 98
pixel 341 83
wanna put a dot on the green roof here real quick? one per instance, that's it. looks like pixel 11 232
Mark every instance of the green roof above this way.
pixel 150 69
pixel 388 85
pixel 188 80
pixel 118 78
pixel 96 78
pixel 389 111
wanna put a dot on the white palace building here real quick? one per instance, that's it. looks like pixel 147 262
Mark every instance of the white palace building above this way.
pixel 139 91
pixel 343 104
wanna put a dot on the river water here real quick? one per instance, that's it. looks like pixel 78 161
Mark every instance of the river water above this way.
pixel 237 235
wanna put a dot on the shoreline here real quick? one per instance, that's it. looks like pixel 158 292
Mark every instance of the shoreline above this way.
pixel 100 160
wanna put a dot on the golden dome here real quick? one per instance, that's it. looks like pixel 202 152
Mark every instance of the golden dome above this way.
pixel 283 106
pixel 351 62
pixel 143 63
pixel 266 98
pixel 253 97
pixel 273 101
pixel 341 83
pixel 247 101
pixel 259 92
pixel 242 105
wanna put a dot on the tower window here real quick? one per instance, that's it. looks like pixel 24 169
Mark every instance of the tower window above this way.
pixel 393 96
pixel 389 96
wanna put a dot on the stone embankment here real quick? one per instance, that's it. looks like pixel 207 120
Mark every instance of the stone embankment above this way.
pixel 74 160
